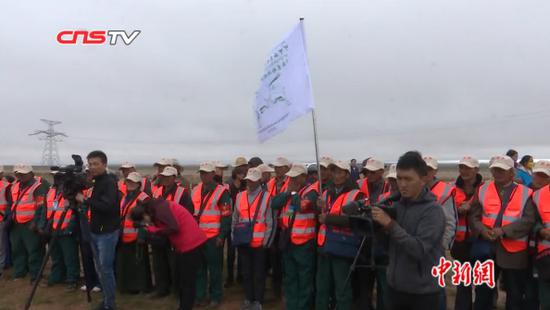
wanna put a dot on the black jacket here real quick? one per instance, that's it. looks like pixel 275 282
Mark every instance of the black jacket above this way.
pixel 104 205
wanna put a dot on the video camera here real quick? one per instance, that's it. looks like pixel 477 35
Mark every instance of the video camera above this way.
pixel 360 215
pixel 70 179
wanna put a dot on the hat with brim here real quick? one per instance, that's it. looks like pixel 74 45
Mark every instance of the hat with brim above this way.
pixel 169 172
pixel 340 164
pixel 134 177
pixel 501 161
pixel 374 165
pixel 265 168
pixel 22 168
pixel 296 170
pixel 282 162
pixel 254 175
pixel 207 167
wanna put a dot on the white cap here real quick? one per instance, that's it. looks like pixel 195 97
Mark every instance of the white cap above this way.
pixel 254 174
pixel 431 162
pixel 22 168
pixel 296 170
pixel 221 165
pixel 542 166
pixel 342 165
pixel 374 164
pixel 392 173
pixel 326 161
pixel 240 161
pixel 134 177
pixel 502 162
pixel 282 162
pixel 265 168
pixel 169 171
pixel 127 165
pixel 164 162
pixel 469 161
pixel 207 167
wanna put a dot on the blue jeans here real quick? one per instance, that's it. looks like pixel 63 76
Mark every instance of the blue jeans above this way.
pixel 104 249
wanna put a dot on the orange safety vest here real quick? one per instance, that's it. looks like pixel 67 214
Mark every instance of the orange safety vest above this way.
pixel 122 186
pixel 24 204
pixel 3 201
pixel 364 188
pixel 303 229
pixel 129 232
pixel 462 224
pixel 210 219
pixel 246 215
pixel 51 198
pixel 272 186
pixel 88 194
pixel 335 208
pixel 174 197
pixel 442 191
pixel 61 204
pixel 541 198
pixel 491 204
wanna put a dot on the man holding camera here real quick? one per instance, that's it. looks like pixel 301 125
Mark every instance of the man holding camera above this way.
pixel 414 238
pixel 104 224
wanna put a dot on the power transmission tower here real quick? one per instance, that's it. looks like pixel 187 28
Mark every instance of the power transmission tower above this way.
pixel 50 155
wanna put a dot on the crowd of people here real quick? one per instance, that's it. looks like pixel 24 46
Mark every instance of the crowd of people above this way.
pixel 158 235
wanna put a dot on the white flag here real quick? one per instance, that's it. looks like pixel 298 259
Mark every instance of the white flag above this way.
pixel 285 90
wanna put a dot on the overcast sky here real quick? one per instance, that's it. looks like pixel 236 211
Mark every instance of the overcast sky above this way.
pixel 445 77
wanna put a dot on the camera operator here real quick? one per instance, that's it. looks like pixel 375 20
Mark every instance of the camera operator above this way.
pixel 337 243
pixel 169 219
pixel 65 262
pixel 414 238
pixel 104 224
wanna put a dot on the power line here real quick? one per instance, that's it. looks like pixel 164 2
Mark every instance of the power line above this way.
pixel 50 154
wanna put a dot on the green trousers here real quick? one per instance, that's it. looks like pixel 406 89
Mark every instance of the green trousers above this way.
pixel 65 261
pixel 133 271
pixel 299 275
pixel 544 294
pixel 27 251
pixel 210 272
pixel 331 277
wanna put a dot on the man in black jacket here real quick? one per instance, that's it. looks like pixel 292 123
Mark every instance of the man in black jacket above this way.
pixel 415 238
pixel 104 224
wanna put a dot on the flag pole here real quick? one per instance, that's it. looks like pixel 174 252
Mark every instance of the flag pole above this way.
pixel 316 150
pixel 314 128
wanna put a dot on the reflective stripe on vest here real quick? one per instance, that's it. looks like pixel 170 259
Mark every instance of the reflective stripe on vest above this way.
pixel 129 232
pixel 272 186
pixel 541 198
pixel 303 229
pixel 491 204
pixel 210 219
pixel 25 207
pixel 246 214
pixel 175 197
pixel 61 203
pixel 462 223
pixel 442 192
pixel 51 199
pixel 335 209
pixel 3 201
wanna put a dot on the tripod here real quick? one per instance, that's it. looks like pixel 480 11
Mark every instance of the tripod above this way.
pixel 49 252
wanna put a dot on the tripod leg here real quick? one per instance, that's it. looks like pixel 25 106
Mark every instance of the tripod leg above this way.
pixel 352 267
pixel 40 272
